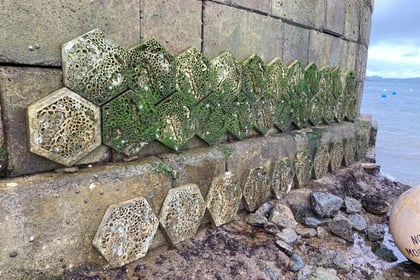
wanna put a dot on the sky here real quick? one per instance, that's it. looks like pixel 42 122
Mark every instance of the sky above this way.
pixel 394 48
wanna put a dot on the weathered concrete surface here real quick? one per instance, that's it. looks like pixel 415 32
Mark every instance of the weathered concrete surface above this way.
pixel 33 31
pixel 240 31
pixel 308 12
pixel 295 44
pixel 366 22
pixel 334 16
pixel 50 219
pixel 175 24
pixel 352 20
pixel 263 6
pixel 324 49
pixel 20 87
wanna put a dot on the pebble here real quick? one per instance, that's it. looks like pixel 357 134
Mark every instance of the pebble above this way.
pixel 285 247
pixel 256 220
pixel 376 232
pixel 332 259
pixel 352 205
pixel 383 252
pixel 375 204
pixel 317 273
pixel 325 204
pixel 296 262
pixel 313 222
pixel 342 227
pixel 358 221
pixel 264 210
pixel 287 235
pixel 282 216
pixel 306 232
pixel 271 228
pixel 31 239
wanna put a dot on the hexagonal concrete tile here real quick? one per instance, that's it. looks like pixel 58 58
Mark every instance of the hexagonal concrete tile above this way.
pixel 282 177
pixel 63 127
pixel 223 198
pixel 321 161
pixel 336 155
pixel 257 188
pixel 94 67
pixel 126 231
pixel 182 212
pixel 303 167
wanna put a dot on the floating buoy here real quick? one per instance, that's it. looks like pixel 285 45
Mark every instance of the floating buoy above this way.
pixel 394 93
pixel 404 224
pixel 383 95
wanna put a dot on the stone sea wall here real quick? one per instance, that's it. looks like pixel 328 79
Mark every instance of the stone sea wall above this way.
pixel 167 109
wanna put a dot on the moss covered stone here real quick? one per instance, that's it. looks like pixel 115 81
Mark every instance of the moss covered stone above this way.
pixel 297 88
pixel 129 122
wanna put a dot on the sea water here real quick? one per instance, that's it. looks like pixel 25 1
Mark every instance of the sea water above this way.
pixel 395 104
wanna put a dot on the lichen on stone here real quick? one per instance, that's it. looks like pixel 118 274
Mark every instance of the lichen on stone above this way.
pixel 297 88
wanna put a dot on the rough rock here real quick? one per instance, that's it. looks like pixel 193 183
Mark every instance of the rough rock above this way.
pixel 376 232
pixel 317 273
pixel 342 227
pixel 321 232
pixel 376 276
pixel 282 216
pixel 383 252
pixel 332 259
pixel 325 204
pixel 287 235
pixel 352 205
pixel 264 210
pixel 359 221
pixel 256 220
pixel 285 247
pixel 271 228
pixel 375 204
pixel 296 262
pixel 314 222
pixel 269 270
pixel 306 232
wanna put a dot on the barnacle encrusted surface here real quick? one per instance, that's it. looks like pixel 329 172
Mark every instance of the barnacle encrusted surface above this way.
pixel 228 76
pixel 195 75
pixel 303 167
pixel 336 155
pixel 321 161
pixel 349 151
pixel 152 69
pixel 240 116
pixel 63 127
pixel 297 91
pixel 277 85
pixel 210 119
pixel 362 144
pixel 282 177
pixel 182 212
pixel 223 198
pixel 256 189
pixel 129 122
pixel 94 67
pixel 326 90
pixel 177 120
pixel 349 92
pixel 339 107
pixel 315 99
pixel 126 231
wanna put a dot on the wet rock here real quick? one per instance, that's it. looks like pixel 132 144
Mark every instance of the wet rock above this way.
pixel 296 262
pixel 358 221
pixel 342 227
pixel 256 220
pixel 376 232
pixel 352 205
pixel 332 259
pixel 282 216
pixel 313 222
pixel 287 235
pixel 264 210
pixel 325 204
pixel 383 252
pixel 306 232
pixel 301 211
pixel 271 228
pixel 375 204
pixel 285 247
pixel 317 273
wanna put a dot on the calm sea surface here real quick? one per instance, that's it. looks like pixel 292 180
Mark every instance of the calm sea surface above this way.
pixel 395 104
